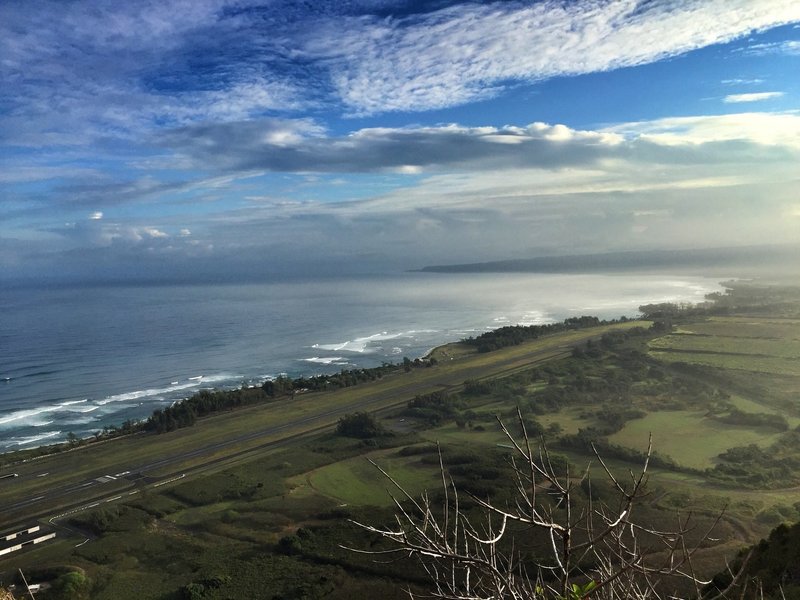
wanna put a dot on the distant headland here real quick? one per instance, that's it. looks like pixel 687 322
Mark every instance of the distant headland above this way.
pixel 773 257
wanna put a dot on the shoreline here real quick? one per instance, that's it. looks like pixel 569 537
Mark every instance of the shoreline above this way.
pixel 44 450
pixel 451 350
pixel 132 381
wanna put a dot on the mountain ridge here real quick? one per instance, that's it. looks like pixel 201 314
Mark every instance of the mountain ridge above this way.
pixel 631 260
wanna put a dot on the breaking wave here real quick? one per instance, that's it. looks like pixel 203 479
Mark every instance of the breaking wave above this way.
pixel 327 360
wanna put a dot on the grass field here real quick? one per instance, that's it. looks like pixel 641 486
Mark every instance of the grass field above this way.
pixel 689 437
pixel 766 345
pixel 745 327
pixel 741 362
pixel 773 348
pixel 357 481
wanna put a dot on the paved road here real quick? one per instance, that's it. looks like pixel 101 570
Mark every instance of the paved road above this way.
pixel 126 478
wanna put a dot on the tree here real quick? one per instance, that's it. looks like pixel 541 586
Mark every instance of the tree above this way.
pixel 359 425
pixel 593 549
pixel 71 586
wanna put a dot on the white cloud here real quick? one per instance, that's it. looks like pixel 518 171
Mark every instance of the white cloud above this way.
pixel 725 180
pixel 469 52
pixel 768 129
pixel 96 216
pixel 82 70
pixel 300 146
pixel 787 47
pixel 153 232
pixel 753 97
pixel 741 81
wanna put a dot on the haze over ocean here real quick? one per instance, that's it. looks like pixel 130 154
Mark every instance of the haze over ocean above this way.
pixel 74 359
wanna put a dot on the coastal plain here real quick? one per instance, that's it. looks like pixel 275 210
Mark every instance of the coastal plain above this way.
pixel 259 498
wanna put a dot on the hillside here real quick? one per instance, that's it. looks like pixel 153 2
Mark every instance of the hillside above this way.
pixel 721 260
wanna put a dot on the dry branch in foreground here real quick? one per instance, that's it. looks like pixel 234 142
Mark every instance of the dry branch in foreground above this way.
pixel 594 549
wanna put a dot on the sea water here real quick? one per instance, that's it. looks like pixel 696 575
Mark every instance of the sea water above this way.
pixel 75 359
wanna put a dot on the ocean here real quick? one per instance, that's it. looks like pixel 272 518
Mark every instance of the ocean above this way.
pixel 74 359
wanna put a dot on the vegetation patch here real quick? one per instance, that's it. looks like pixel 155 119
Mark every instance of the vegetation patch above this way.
pixel 356 481
pixel 689 437
pixel 775 366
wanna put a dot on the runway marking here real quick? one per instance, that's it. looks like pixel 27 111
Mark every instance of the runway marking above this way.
pixel 181 476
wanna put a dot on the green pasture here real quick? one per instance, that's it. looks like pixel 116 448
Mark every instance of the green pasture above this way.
pixel 751 406
pixel 745 327
pixel 741 362
pixel 569 419
pixel 758 344
pixel 775 348
pixel 689 437
pixel 356 481
pixel 487 435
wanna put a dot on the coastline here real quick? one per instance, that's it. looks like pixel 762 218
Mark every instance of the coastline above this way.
pixel 82 363
pixel 286 388
pixel 41 451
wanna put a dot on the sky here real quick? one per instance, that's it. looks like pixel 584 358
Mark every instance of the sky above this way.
pixel 216 139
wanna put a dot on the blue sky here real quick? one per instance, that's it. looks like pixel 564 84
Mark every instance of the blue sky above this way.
pixel 232 138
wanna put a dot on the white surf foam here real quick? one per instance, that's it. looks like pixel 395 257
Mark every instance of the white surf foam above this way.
pixel 71 402
pixel 23 417
pixel 327 360
pixel 192 382
pixel 359 345
pixel 23 441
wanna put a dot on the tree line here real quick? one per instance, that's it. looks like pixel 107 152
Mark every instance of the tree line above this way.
pixel 513 335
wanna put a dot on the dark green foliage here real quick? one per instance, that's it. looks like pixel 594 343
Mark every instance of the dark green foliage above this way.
pixel 228 485
pixel 115 517
pixel 279 386
pixel 738 417
pixel 360 425
pixel 751 466
pixel 70 586
pixel 289 545
pixel 348 378
pixel 773 569
pixel 192 591
pixel 473 387
pixel 206 402
pixel 591 438
pixel 435 408
pixel 513 335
